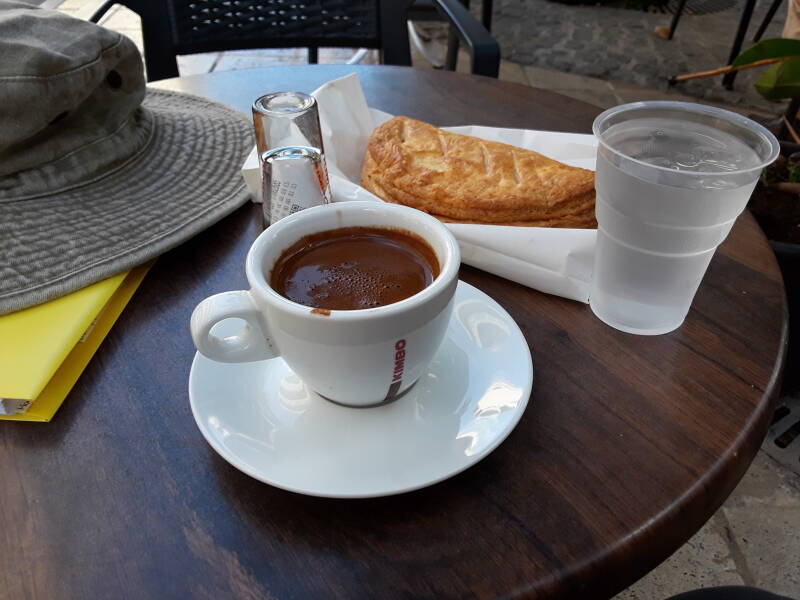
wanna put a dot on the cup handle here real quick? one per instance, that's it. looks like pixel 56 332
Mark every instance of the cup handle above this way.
pixel 250 343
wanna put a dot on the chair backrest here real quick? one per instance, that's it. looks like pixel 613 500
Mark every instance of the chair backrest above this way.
pixel 175 27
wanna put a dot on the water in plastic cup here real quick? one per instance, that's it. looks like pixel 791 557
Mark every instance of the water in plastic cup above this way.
pixel 672 177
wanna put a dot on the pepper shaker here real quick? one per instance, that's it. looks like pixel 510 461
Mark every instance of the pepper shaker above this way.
pixel 291 154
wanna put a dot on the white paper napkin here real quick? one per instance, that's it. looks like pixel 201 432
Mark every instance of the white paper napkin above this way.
pixel 552 260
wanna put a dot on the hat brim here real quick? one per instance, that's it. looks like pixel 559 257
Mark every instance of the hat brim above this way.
pixel 187 178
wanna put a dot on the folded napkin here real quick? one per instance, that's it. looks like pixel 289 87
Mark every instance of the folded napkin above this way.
pixel 552 260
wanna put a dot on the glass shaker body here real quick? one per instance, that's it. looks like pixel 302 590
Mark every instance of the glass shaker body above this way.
pixel 291 154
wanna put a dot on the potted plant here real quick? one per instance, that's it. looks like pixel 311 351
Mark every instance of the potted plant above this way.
pixel 776 200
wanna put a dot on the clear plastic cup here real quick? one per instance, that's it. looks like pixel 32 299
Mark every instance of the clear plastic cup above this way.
pixel 672 177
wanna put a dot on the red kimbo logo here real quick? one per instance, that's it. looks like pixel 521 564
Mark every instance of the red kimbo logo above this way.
pixel 399 360
pixel 397 373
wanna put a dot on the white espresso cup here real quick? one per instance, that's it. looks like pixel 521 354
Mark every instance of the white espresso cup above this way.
pixel 361 357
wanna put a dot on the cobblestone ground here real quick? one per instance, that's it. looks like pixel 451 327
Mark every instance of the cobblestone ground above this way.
pixel 618 45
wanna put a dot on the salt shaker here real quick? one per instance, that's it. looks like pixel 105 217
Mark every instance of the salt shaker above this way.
pixel 292 158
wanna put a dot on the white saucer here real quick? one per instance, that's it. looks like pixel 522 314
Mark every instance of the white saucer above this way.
pixel 262 419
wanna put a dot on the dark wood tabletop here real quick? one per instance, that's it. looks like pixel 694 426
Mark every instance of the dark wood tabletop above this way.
pixel 628 446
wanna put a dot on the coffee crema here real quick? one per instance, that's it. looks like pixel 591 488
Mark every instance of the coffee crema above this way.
pixel 354 268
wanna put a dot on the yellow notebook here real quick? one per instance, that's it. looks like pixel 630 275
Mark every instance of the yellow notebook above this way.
pixel 45 348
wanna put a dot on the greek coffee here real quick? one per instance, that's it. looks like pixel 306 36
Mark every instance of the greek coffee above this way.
pixel 354 268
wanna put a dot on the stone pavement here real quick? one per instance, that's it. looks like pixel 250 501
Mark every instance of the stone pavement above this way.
pixel 618 45
pixel 753 538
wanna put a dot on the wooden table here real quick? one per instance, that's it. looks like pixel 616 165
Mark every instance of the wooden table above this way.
pixel 627 448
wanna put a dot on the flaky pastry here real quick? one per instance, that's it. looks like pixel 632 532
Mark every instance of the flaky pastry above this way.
pixel 466 179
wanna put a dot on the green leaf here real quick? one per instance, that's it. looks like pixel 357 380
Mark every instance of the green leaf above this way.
pixel 775 48
pixel 780 81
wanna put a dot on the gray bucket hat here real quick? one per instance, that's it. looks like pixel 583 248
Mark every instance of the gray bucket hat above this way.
pixel 98 174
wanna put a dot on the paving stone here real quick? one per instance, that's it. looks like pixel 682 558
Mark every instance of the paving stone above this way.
pixel 637 94
pixel 372 57
pixel 763 516
pixel 136 38
pixel 121 18
pixel 342 55
pixel 555 80
pixel 134 33
pixel 766 482
pixel 81 9
pixel 617 44
pixel 463 64
pixel 602 98
pixel 704 561
pixel 512 72
pixel 231 62
pixel 249 59
pixel 768 539
pixel 197 64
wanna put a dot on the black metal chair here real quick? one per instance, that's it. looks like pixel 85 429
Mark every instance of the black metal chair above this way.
pixel 741 31
pixel 773 8
pixel 176 27
pixel 426 10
